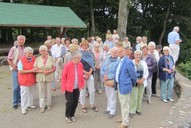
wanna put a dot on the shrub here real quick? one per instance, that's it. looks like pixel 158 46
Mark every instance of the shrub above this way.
pixel 185 69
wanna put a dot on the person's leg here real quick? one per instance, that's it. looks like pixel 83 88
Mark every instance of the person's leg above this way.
pixel 75 104
pixel 96 82
pixel 41 89
pixel 48 93
pixel 154 82
pixel 140 97
pixel 113 95
pixel 170 88
pixel 175 49
pixel 24 98
pixel 83 95
pixel 163 85
pixel 124 102
pixel 16 88
pixel 31 95
pixel 91 89
pixel 69 103
pixel 133 101
pixel 148 89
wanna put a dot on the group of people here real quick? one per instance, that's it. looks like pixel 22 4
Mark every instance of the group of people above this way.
pixel 90 66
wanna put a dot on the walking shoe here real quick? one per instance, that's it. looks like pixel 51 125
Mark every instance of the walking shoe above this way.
pixel 171 100
pixel 122 126
pixel 73 119
pixel 118 121
pixel 100 91
pixel 32 106
pixel 139 113
pixel 110 116
pixel 131 115
pixel 106 112
pixel 24 111
pixel 68 120
pixel 165 101
pixel 42 110
pixel 15 107
pixel 149 101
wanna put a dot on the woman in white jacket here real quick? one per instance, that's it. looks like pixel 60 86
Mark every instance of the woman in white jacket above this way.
pixel 138 88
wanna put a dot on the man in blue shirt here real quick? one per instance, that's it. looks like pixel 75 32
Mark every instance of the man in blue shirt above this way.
pixel 174 41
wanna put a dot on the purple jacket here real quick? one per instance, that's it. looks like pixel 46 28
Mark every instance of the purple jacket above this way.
pixel 152 64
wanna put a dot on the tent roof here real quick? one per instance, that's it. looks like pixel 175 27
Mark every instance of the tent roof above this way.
pixel 25 15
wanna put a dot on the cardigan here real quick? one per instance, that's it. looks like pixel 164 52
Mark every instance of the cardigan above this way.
pixel 68 76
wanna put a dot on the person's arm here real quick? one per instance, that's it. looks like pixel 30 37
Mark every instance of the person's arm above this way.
pixel 64 78
pixel 132 72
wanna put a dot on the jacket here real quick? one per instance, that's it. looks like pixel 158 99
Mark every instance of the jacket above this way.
pixel 27 79
pixel 127 76
pixel 68 77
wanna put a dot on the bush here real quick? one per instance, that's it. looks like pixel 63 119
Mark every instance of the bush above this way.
pixel 185 69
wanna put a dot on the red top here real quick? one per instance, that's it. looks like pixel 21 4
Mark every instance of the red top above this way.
pixel 68 76
pixel 27 79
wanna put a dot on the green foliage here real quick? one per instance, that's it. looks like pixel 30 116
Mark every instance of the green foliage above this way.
pixel 185 69
pixel 185 51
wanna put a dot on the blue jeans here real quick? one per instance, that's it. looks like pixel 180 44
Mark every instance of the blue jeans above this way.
pixel 16 88
pixel 166 85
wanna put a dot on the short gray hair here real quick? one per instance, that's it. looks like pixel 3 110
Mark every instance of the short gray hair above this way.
pixel 106 45
pixel 166 48
pixel 75 54
pixel 43 47
pixel 138 51
pixel 151 43
pixel 28 49
pixel 21 36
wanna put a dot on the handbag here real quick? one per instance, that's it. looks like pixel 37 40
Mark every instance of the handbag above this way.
pixel 109 83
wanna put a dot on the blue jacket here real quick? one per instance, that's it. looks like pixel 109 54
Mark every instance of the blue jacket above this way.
pixel 127 76
pixel 109 67
pixel 162 64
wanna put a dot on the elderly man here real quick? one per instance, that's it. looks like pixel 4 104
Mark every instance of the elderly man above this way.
pixel 125 78
pixel 174 41
pixel 15 54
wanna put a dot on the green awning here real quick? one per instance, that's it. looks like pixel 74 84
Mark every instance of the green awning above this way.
pixel 25 15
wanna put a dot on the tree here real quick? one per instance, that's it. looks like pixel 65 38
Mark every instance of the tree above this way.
pixel 123 13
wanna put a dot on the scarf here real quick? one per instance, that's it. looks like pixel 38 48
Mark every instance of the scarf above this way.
pixel 88 57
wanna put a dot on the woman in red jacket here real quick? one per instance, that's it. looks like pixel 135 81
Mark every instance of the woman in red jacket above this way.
pixel 27 79
pixel 72 83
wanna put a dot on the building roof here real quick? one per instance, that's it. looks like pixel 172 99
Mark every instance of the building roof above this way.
pixel 25 15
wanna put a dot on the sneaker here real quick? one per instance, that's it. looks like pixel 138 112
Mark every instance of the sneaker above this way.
pixel 139 113
pixel 24 111
pixel 171 100
pixel 73 119
pixel 15 107
pixel 131 115
pixel 100 91
pixel 68 120
pixel 49 108
pixel 106 112
pixel 165 101
pixel 32 106
pixel 110 116
pixel 149 101
pixel 42 110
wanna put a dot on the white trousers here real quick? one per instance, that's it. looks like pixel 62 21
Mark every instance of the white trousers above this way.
pixel 149 88
pixel 45 96
pixel 111 99
pixel 174 51
pixel 124 102
pixel 27 95
pixel 59 67
pixel 91 89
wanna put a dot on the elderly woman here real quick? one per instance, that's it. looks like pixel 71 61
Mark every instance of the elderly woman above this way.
pixel 155 54
pixel 166 71
pixel 107 72
pixel 98 62
pixel 44 65
pixel 138 88
pixel 88 65
pixel 152 65
pixel 68 56
pixel 27 79
pixel 72 83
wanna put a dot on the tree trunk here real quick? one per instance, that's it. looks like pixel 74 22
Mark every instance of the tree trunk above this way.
pixel 92 18
pixel 164 25
pixel 123 13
